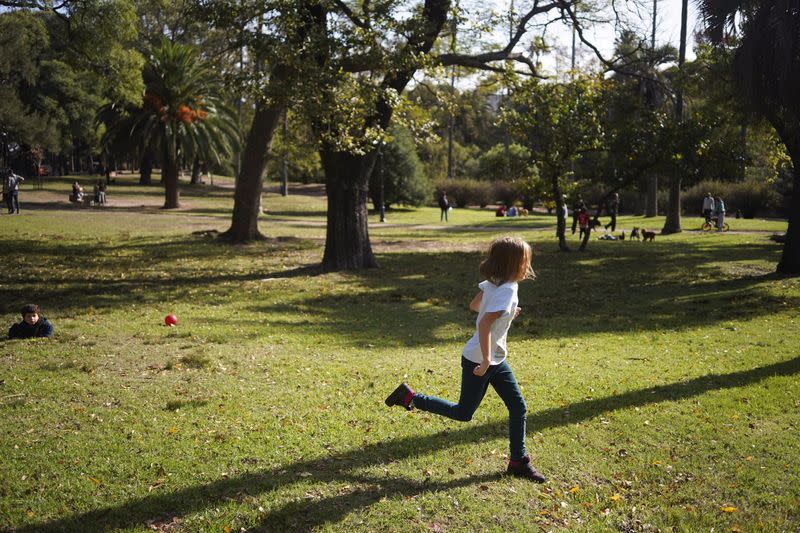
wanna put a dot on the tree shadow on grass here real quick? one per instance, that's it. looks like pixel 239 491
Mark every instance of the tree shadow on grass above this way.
pixel 637 288
pixel 617 288
pixel 307 514
pixel 69 276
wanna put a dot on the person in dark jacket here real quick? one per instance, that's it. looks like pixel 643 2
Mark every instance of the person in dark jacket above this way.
pixel 612 208
pixel 32 325
pixel 444 205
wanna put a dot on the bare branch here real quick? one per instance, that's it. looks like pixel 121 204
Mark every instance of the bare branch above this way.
pixel 482 61
pixel 352 16
pixel 611 65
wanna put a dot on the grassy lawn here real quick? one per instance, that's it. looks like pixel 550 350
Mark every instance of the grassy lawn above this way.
pixel 662 379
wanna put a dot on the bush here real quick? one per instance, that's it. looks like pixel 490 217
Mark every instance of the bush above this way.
pixel 403 179
pixel 465 192
pixel 753 197
pixel 505 193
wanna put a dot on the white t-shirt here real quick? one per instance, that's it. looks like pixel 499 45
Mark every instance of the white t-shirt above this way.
pixel 495 298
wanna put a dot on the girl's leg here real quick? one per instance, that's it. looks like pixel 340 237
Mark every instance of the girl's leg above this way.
pixel 507 388
pixel 473 389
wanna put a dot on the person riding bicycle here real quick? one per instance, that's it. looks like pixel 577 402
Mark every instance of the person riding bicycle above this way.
pixel 708 206
pixel 719 211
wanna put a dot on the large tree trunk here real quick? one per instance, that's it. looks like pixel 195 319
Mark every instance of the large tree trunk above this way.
pixel 673 222
pixel 247 196
pixel 170 178
pixel 790 260
pixel 347 245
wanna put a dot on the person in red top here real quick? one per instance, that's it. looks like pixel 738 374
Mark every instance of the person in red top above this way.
pixel 583 222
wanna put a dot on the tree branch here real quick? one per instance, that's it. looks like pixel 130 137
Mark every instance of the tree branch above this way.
pixel 352 16
pixel 481 61
pixel 611 65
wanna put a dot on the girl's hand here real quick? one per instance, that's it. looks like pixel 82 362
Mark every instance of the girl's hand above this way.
pixel 517 311
pixel 481 369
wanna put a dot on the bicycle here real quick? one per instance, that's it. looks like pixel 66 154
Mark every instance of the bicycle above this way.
pixel 711 223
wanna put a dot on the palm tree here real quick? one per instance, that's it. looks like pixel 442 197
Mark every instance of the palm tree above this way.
pixel 767 69
pixel 182 115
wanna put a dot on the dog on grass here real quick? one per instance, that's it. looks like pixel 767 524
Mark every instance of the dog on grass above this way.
pixel 635 233
pixel 648 236
pixel 522 212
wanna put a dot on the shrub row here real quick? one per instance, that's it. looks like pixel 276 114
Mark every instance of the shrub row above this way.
pixel 464 192
pixel 752 197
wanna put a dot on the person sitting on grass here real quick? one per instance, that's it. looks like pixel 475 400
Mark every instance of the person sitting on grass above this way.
pixel 77 192
pixel 32 325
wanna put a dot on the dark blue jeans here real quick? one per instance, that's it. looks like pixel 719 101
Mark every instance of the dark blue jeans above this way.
pixel 473 389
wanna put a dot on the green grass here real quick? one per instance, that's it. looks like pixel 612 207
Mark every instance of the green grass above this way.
pixel 661 378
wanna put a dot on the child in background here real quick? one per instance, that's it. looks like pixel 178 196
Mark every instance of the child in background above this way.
pixel 32 325
pixel 483 359
pixel 583 221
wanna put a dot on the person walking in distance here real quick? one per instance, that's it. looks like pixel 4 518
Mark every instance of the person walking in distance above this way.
pixel 612 207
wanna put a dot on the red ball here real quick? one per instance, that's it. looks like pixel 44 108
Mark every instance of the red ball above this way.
pixel 171 320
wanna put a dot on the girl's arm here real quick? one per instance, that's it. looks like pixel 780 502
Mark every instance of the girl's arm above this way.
pixel 484 336
pixel 475 304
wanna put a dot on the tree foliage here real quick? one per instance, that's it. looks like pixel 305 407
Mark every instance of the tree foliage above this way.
pixel 183 113
pixel 399 173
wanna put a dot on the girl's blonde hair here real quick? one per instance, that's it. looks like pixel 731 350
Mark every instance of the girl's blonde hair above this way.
pixel 509 260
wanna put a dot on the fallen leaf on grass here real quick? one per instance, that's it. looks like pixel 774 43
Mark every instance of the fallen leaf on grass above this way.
pixel 574 490
pixel 616 497
pixel 484 487
pixel 167 524
pixel 94 480
pixel 748 458
pixel 728 509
